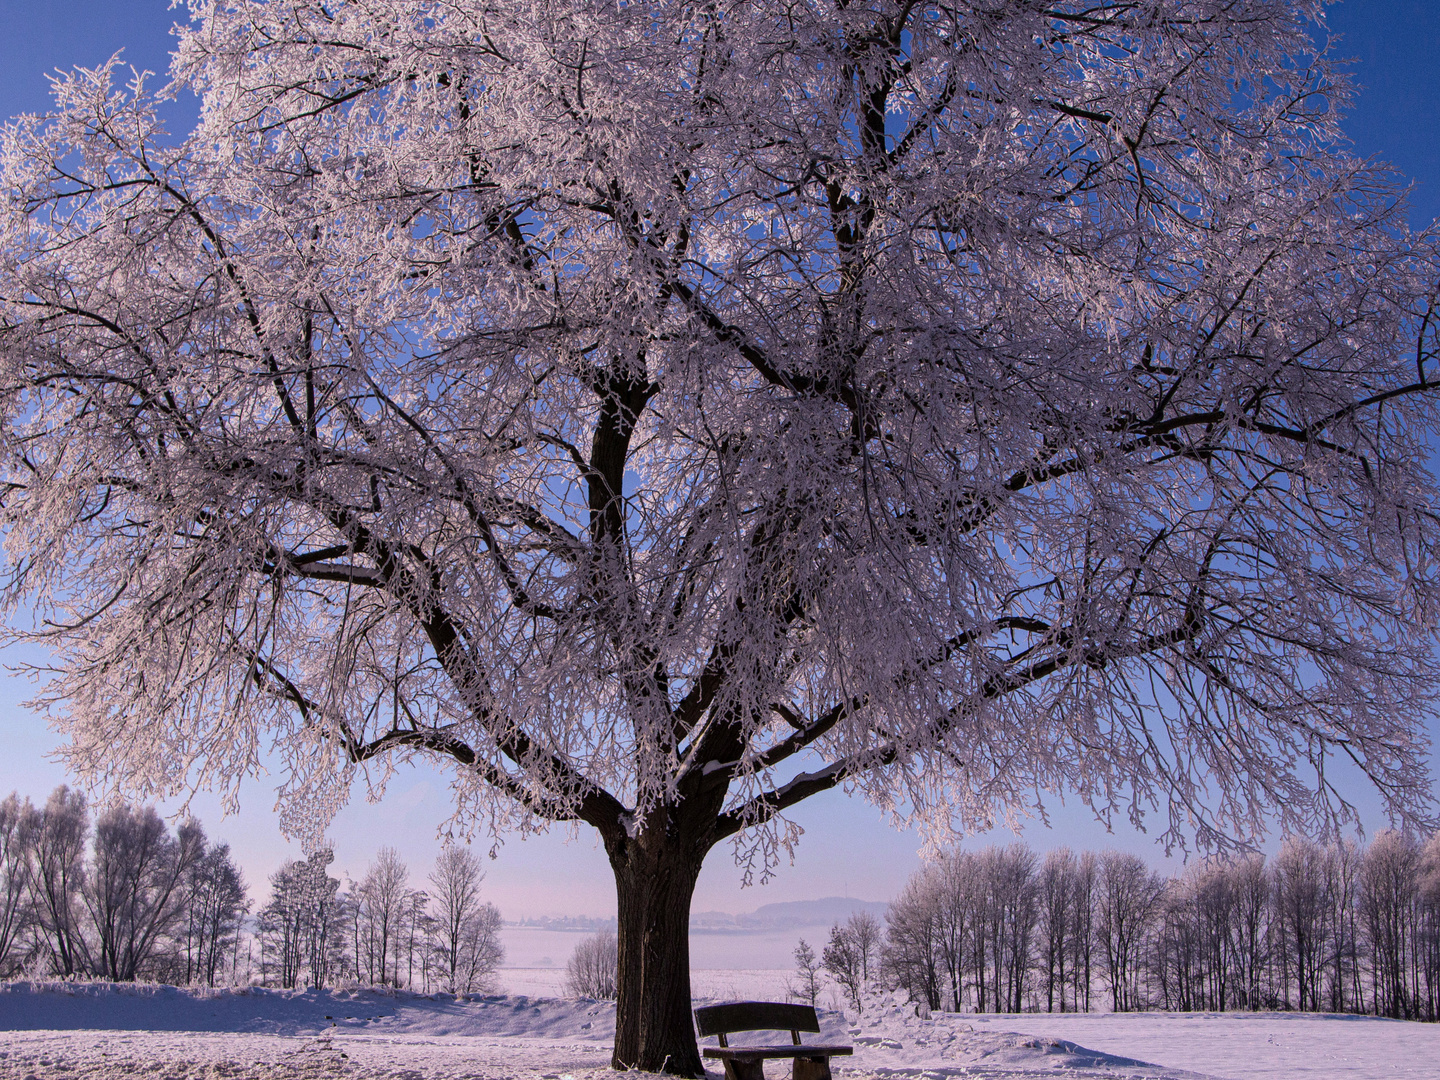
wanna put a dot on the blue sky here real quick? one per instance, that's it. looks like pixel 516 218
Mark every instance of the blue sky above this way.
pixel 847 849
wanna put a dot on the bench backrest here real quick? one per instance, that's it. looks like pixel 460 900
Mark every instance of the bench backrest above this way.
pixel 734 1016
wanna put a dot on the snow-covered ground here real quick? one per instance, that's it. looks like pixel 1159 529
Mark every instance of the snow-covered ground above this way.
pixel 105 1032
pixel 1248 1046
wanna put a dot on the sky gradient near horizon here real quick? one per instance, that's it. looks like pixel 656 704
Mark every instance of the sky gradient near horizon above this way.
pixel 847 849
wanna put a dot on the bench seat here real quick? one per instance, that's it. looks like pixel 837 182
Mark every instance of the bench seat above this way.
pixel 760 1053
pixel 812 1062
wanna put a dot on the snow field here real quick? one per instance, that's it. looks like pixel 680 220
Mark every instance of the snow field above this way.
pixel 100 1031
pixel 1250 1046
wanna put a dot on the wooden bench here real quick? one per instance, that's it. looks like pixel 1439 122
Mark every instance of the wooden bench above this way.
pixel 747 1062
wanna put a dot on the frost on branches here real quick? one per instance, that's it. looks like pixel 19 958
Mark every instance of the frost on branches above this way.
pixel 666 411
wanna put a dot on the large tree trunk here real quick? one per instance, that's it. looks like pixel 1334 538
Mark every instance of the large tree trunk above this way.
pixel 655 873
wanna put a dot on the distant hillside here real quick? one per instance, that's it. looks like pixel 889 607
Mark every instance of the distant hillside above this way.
pixel 587 923
pixel 786 916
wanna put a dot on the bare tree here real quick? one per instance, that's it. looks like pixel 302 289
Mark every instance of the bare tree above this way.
pixel 1175 950
pixel 1057 908
pixel 957 885
pixel 1215 908
pixel 382 899
pixel 1332 925
pixel 56 839
pixel 481 952
pixel 842 960
pixel 418 930
pixel 468 930
pixel 1014 910
pixel 134 890
pixel 146 903
pixel 865 931
pixel 1430 928
pixel 280 926
pixel 1086 875
pixel 321 939
pixel 592 968
pixel 300 926
pixel 851 951
pixel 1251 887
pixel 1389 896
pixel 979 897
pixel 215 904
pixel 806 982
pixel 1127 895
pixel 1342 955
pixel 14 880
pixel 911 956
pixel 666 412
pixel 456 880
pixel 1193 957
pixel 1301 904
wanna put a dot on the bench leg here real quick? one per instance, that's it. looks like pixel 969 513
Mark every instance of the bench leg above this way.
pixel 816 1068
pixel 744 1070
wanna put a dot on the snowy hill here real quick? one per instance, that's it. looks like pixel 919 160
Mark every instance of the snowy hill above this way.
pixel 257 1010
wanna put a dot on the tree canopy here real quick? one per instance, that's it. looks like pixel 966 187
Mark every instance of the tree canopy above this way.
pixel 665 412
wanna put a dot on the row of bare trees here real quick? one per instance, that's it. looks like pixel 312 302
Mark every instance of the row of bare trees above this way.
pixel 124 900
pixel 380 930
pixel 1335 927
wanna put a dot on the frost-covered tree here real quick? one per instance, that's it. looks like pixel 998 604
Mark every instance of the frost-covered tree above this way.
pixel 1127 894
pixel 910 957
pixel 665 412
pixel 845 958
pixel 214 907
pixel 467 929
pixel 300 928
pixel 381 901
pixel 55 836
pixel 1301 905
pixel 1055 886
pixel 591 970
pixel 134 892
pixel 14 881
pixel 805 981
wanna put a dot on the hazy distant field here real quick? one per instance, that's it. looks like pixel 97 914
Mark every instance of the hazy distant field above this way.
pixel 753 962
pixel 761 939
pixel 722 964
pixel 718 983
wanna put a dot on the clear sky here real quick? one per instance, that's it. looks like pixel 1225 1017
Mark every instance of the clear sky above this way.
pixel 847 849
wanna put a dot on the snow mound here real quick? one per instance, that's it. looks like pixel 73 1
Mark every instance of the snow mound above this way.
pixel 32 1006
pixel 893 1042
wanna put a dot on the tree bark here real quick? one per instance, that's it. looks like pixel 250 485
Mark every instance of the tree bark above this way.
pixel 655 874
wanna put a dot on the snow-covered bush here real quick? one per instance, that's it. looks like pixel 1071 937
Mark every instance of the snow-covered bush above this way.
pixel 591 969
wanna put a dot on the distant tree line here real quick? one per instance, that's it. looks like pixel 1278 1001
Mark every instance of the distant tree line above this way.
pixel 380 931
pixel 1336 927
pixel 124 900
